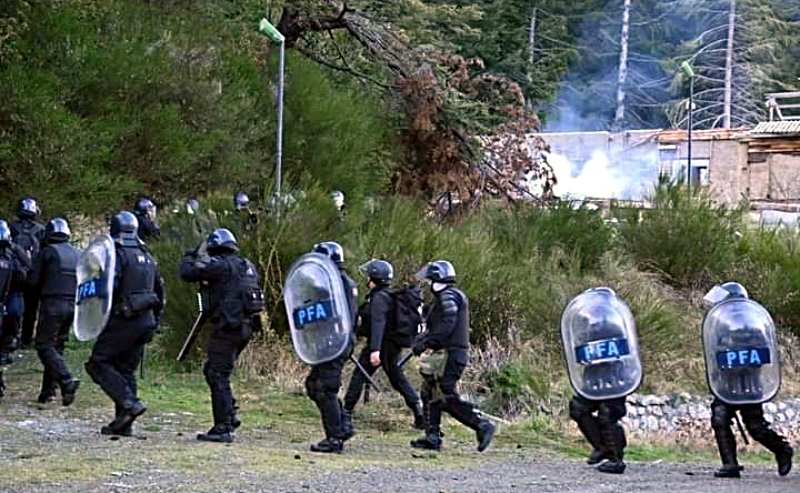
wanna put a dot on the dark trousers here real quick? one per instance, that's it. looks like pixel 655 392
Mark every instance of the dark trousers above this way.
pixel 224 347
pixel 602 430
pixel 753 418
pixel 390 355
pixel 115 356
pixel 31 297
pixel 449 401
pixel 52 333
pixel 322 386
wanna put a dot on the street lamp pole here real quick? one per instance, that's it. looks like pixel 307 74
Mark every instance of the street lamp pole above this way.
pixel 686 68
pixel 276 37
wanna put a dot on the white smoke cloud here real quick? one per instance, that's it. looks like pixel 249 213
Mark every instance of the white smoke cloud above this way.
pixel 601 177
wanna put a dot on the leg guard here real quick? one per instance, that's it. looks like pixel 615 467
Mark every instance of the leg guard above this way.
pixel 581 411
pixel 721 416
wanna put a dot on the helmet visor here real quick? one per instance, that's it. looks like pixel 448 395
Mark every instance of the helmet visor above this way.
pixel 422 274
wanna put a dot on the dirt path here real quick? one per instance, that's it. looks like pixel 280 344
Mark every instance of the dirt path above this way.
pixel 55 449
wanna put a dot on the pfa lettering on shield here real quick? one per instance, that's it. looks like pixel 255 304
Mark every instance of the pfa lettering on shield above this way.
pixel 318 311
pixel 602 350
pixel 752 357
pixel 93 288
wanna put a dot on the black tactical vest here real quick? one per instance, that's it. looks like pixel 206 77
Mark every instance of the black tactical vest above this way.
pixel 135 288
pixel 7 268
pixel 58 276
pixel 448 300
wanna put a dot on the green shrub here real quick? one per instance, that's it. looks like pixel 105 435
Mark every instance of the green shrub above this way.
pixel 689 241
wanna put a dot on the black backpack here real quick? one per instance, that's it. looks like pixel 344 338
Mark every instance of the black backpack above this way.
pixel 29 237
pixel 407 317
pixel 250 289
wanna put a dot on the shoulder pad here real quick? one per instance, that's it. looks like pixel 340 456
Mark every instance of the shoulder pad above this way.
pixel 450 302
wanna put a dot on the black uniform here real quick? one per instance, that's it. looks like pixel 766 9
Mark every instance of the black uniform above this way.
pixel 13 299
pixel 232 327
pixel 137 303
pixel 11 271
pixel 148 227
pixel 378 315
pixel 603 431
pixel 753 418
pixel 29 235
pixel 324 380
pixel 448 329
pixel 53 279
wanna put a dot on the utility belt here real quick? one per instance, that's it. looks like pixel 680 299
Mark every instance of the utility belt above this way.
pixel 135 304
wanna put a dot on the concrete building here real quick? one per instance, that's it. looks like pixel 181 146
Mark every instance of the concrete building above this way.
pixel 761 165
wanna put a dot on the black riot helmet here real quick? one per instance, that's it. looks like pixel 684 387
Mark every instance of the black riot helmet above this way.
pixel 28 208
pixel 437 271
pixel 222 240
pixel 145 207
pixel 332 250
pixel 123 229
pixel 5 234
pixel 378 271
pixel 57 230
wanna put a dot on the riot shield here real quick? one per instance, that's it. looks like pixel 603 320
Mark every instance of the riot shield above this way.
pixel 600 344
pixel 316 305
pixel 95 275
pixel 741 352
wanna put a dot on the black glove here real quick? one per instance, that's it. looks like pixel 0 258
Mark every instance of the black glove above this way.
pixel 418 348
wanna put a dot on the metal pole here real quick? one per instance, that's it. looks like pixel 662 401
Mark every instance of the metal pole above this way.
pixel 689 157
pixel 279 136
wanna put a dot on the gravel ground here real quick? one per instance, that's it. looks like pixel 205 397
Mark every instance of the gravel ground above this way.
pixel 55 449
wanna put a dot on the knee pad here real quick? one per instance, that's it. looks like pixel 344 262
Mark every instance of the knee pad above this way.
pixel 577 410
pixel 214 378
pixel 609 415
pixel 312 388
pixel 720 416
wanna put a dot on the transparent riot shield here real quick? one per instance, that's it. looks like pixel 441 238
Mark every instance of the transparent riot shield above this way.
pixel 95 275
pixel 316 305
pixel 600 344
pixel 741 352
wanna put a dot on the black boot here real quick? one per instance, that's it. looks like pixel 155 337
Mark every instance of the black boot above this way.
pixel 485 434
pixel 68 391
pixel 328 446
pixel 596 457
pixel 348 430
pixel 45 396
pixel 431 441
pixel 612 467
pixel 729 471
pixel 217 435
pixel 2 385
pixel 726 444
pixel 784 460
pixel 131 411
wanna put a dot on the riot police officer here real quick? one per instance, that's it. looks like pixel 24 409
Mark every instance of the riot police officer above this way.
pixel 602 354
pixel 53 278
pixel 325 379
pixel 138 299
pixel 448 335
pixel 12 292
pixel 28 234
pixel 232 280
pixel 745 383
pixel 11 271
pixel 145 211
pixel 382 348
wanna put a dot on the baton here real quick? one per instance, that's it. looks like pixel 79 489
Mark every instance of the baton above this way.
pixel 364 372
pixel 741 428
pixel 194 331
pixel 405 359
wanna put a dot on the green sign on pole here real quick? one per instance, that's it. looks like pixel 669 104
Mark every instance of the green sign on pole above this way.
pixel 270 31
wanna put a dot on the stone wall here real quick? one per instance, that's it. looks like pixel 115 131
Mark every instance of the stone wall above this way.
pixel 687 419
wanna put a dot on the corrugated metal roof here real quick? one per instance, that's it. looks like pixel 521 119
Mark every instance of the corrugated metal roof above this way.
pixel 779 127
